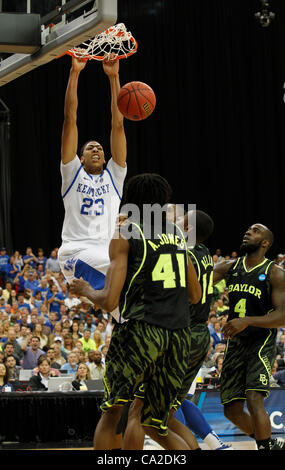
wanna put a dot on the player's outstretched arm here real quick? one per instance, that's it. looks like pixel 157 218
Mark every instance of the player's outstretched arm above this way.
pixel 69 139
pixel 118 138
pixel 221 269
pixel 107 298
pixel 274 319
pixel 194 287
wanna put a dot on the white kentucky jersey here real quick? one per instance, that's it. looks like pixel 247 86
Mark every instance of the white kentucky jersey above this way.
pixel 91 203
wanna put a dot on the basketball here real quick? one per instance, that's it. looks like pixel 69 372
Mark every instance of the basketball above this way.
pixel 136 101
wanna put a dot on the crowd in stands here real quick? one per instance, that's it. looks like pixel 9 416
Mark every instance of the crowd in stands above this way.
pixel 46 329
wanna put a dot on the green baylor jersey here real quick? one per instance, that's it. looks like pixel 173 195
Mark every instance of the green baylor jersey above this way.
pixel 249 293
pixel 203 264
pixel 156 286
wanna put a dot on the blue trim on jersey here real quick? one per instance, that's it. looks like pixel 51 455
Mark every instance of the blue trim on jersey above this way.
pixel 113 183
pixel 80 168
pixel 94 277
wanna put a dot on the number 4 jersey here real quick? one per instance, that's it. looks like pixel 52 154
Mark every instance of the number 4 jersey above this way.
pixel 91 204
pixel 249 293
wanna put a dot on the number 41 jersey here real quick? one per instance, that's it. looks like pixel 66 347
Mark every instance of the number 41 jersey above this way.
pixel 249 293
pixel 91 203
pixel 156 286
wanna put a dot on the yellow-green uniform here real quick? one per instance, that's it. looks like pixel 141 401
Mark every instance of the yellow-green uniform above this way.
pixel 199 314
pixel 153 346
pixel 249 356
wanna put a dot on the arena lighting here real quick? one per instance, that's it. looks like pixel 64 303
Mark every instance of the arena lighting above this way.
pixel 264 17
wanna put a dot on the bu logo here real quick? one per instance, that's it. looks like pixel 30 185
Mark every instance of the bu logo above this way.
pixel 69 264
pixel 263 379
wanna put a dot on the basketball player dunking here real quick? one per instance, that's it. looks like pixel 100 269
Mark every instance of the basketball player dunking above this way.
pixel 91 194
pixel 256 289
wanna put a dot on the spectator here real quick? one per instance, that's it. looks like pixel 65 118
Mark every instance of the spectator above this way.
pixel 52 263
pixel 41 259
pixel 101 327
pixel 57 330
pixel 6 326
pixel 13 369
pixel 54 300
pixel 40 380
pixel 22 302
pixel 58 357
pixel 11 338
pixel 38 300
pixel 29 258
pixel 11 270
pixel 38 331
pixel 217 334
pixel 90 324
pixel 8 349
pixel 68 344
pixel 71 300
pixel 218 365
pixel 106 342
pixel 82 374
pixel 281 345
pixel 95 364
pixel 82 356
pixel 44 287
pixel 6 293
pixel 87 342
pixel 75 331
pixel 50 355
pixel 5 384
pixel 32 283
pixel 4 260
pixel 24 332
pixel 104 351
pixel 97 339
pixel 273 381
pixel 32 352
pixel 279 376
pixel 18 260
pixel 71 365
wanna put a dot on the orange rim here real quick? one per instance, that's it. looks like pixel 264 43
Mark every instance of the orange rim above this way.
pixel 101 57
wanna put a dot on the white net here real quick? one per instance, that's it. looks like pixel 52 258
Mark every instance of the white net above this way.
pixel 116 41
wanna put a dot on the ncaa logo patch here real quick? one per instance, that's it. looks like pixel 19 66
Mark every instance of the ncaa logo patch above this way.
pixel 261 277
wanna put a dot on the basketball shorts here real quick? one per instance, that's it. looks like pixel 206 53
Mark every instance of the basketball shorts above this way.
pixel 143 353
pixel 247 366
pixel 90 263
pixel 200 342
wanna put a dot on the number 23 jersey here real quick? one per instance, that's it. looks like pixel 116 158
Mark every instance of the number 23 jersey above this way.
pixel 91 203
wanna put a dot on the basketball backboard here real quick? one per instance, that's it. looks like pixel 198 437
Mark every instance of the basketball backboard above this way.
pixel 68 25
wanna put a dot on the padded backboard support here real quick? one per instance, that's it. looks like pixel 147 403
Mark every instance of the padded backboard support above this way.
pixel 57 40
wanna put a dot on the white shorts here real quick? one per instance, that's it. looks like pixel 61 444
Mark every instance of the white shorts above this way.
pixel 87 262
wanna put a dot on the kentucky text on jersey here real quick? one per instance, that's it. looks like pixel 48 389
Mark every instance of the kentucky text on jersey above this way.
pixel 94 192
pixel 167 239
pixel 245 288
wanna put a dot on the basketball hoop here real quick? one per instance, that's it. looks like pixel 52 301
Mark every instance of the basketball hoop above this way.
pixel 116 40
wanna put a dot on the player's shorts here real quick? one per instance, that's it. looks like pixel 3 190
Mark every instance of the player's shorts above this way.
pixel 247 366
pixel 87 262
pixel 200 342
pixel 140 353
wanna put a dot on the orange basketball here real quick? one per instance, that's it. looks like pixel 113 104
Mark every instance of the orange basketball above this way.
pixel 136 101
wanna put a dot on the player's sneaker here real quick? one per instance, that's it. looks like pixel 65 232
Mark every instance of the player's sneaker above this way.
pixel 225 447
pixel 277 444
